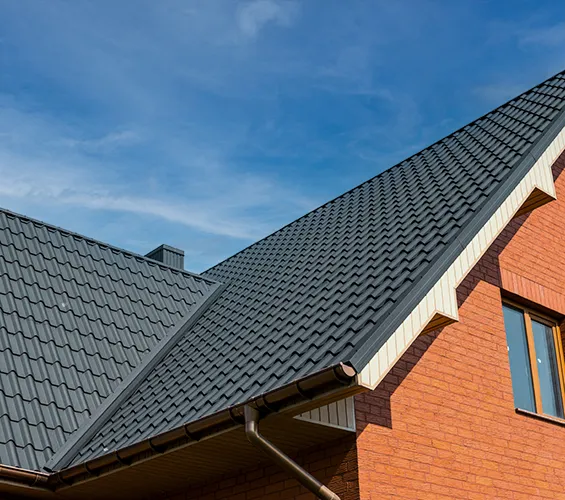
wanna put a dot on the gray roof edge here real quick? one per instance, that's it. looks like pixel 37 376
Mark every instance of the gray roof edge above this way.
pixel 379 334
pixel 94 241
pixel 460 129
pixel 62 457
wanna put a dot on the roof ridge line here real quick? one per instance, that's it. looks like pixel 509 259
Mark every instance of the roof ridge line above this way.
pixel 129 253
pixel 430 146
pixel 371 342
pixel 112 403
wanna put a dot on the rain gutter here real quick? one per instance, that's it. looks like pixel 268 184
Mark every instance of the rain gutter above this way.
pixel 30 478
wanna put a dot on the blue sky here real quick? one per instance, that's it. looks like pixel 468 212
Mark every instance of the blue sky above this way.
pixel 209 124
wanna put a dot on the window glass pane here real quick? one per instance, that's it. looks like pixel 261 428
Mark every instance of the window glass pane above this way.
pixel 550 386
pixel 519 359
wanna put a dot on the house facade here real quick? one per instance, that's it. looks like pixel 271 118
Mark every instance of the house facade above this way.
pixel 443 424
pixel 401 341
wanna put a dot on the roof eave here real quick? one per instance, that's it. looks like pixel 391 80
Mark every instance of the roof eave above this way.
pixel 331 384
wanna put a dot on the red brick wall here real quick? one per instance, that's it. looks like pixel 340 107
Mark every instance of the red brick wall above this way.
pixel 442 424
pixel 335 465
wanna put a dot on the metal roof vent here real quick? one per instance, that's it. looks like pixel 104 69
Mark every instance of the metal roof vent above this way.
pixel 170 256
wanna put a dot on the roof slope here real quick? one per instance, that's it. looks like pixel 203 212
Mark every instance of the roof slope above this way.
pixel 316 292
pixel 76 317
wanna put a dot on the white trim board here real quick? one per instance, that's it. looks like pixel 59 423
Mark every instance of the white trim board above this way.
pixel 442 299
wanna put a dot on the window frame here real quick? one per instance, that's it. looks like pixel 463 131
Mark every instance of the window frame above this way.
pixel 535 315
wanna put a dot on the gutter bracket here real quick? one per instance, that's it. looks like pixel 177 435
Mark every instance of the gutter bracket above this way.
pixel 277 456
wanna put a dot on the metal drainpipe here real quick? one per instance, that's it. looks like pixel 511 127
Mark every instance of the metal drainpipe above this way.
pixel 277 456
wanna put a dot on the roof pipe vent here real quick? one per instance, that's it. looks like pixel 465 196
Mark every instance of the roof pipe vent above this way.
pixel 168 255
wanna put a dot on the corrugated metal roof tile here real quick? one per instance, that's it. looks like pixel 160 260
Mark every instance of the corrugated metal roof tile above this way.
pixel 77 317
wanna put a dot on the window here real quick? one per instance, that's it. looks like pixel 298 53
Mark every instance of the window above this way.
pixel 535 352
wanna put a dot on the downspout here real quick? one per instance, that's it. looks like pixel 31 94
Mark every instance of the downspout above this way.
pixel 277 456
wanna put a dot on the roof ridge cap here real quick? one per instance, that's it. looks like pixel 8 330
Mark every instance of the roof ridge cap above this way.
pixel 81 436
pixel 430 146
pixel 100 243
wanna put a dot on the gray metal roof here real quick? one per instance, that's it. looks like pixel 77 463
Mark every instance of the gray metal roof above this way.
pixel 76 317
pixel 332 286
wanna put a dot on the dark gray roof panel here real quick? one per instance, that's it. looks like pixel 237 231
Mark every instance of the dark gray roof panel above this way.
pixel 306 297
pixel 76 317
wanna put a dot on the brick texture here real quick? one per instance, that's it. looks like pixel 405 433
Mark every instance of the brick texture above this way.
pixel 442 424
pixel 335 464
pixel 532 291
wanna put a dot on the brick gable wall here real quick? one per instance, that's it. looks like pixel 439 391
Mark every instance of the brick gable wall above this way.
pixel 442 424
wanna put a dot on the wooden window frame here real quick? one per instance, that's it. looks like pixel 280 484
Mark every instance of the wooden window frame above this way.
pixel 547 320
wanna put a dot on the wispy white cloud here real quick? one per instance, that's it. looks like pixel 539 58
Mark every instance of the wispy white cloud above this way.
pixel 253 16
pixel 537 42
pixel 243 216
pixel 548 36
pixel 497 93
pixel 55 189
pixel 106 142
pixel 40 164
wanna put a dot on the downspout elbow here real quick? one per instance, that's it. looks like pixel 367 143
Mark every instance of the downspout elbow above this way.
pixel 285 462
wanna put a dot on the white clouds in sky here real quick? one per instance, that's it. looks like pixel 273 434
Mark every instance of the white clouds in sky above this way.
pixel 254 15
pixel 497 93
pixel 549 36
pixel 533 35
pixel 209 123
pixel 41 165
pixel 106 142
pixel 151 148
